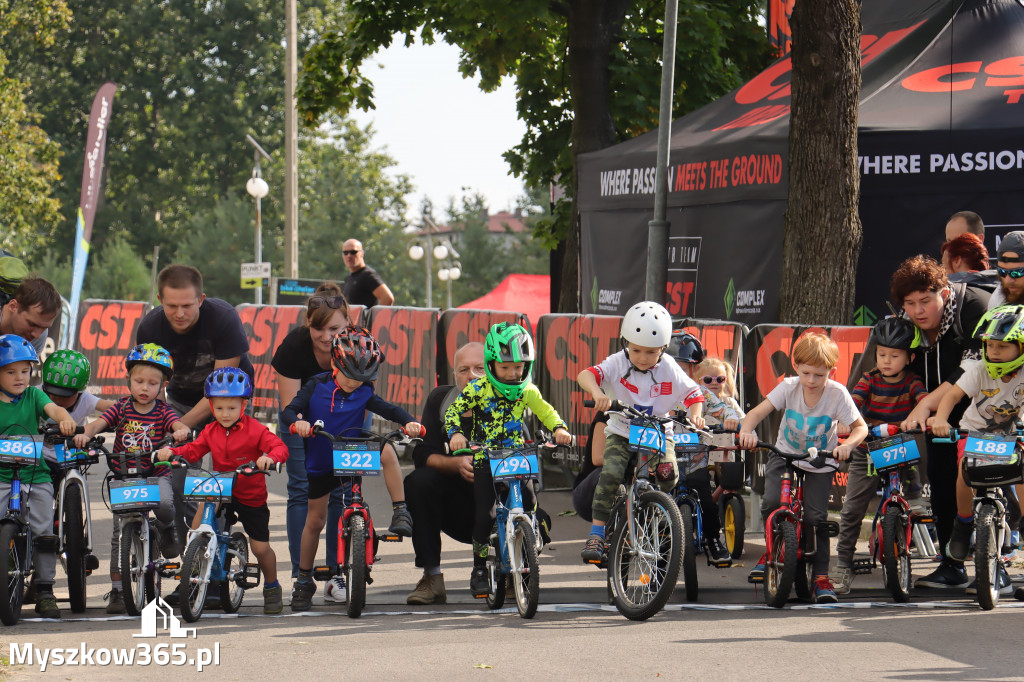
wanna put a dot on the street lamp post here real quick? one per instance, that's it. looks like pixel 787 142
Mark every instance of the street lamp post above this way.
pixel 257 188
pixel 432 252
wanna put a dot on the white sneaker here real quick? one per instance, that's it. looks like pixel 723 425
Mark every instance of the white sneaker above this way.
pixel 335 590
pixel 842 578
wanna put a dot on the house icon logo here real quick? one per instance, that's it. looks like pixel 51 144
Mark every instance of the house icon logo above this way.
pixel 158 608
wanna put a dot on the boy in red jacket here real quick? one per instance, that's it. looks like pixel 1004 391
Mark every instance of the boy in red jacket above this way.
pixel 235 439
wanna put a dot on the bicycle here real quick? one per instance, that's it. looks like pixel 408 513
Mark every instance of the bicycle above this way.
pixel 213 553
pixel 516 538
pixel 133 493
pixel 17 451
pixel 790 541
pixel 989 462
pixel 645 526
pixel 72 515
pixel 732 508
pixel 355 457
pixel 892 526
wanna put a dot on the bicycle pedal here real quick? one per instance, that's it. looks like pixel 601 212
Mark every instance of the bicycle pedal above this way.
pixel 720 564
pixel 480 596
pixel 170 570
pixel 863 566
pixel 755 579
pixel 389 537
pixel 322 573
pixel 92 563
pixel 921 518
pixel 248 577
pixel 833 528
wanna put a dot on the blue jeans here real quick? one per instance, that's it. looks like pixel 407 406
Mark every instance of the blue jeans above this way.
pixel 298 493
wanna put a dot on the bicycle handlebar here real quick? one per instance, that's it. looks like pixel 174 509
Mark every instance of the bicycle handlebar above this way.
pixel 319 430
pixel 817 460
pixel 247 469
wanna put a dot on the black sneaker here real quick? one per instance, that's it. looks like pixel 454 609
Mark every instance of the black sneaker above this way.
pixel 947 575
pixel 595 551
pixel 46 606
pixel 959 545
pixel 717 552
pixel 401 522
pixel 302 594
pixel 479 582
pixel 1019 594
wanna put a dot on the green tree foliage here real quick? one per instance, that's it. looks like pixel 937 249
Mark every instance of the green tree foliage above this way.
pixel 28 159
pixel 115 272
pixel 193 78
pixel 587 73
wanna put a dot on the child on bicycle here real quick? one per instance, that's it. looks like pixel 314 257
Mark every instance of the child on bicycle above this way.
pixel 885 395
pixel 642 376
pixel 21 408
pixel 498 402
pixel 812 405
pixel 688 353
pixel 141 420
pixel 996 389
pixel 66 373
pixel 340 400
pixel 234 439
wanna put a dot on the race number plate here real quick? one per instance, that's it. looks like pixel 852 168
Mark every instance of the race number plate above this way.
pixel 989 448
pixel 508 465
pixel 69 458
pixel 216 488
pixel 645 435
pixel 356 458
pixel 24 450
pixel 133 495
pixel 894 451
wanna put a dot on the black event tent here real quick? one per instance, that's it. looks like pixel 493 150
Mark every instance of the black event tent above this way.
pixel 941 130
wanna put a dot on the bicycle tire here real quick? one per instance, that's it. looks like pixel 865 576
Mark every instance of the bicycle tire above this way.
pixel 73 543
pixel 986 558
pixel 355 565
pixel 803 581
pixel 132 567
pixel 734 523
pixel 642 588
pixel 780 572
pixel 895 556
pixel 12 589
pixel 689 550
pixel 195 576
pixel 526 581
pixel 231 593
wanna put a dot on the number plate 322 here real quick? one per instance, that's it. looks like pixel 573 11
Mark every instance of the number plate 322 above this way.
pixel 356 459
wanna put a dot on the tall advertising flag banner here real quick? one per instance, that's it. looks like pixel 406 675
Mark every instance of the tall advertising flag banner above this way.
pixel 92 174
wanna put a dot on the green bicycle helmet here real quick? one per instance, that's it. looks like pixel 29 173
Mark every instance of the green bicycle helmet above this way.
pixel 507 342
pixel 1005 323
pixel 66 372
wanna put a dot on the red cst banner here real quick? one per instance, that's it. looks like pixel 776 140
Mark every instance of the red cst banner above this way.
pixel 408 337
pixel 106 332
pixel 461 326
pixel 266 327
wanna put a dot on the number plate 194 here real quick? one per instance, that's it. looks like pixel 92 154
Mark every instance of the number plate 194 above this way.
pixel 356 459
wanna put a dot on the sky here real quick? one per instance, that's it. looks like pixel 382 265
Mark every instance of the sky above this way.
pixel 443 131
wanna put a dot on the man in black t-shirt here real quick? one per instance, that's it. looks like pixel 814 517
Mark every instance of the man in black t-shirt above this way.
pixel 363 286
pixel 200 333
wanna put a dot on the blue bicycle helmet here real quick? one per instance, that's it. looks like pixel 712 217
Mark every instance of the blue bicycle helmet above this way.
pixel 13 349
pixel 150 354
pixel 228 382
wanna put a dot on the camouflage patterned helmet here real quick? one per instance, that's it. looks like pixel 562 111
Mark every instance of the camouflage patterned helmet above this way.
pixel 66 372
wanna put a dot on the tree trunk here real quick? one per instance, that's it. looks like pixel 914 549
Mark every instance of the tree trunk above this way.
pixel 822 234
pixel 594 27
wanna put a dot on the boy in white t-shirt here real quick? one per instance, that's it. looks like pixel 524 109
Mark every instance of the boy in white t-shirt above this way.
pixel 996 389
pixel 641 376
pixel 812 405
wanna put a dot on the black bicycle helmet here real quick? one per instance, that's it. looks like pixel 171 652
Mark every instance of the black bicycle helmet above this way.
pixel 896 332
pixel 686 348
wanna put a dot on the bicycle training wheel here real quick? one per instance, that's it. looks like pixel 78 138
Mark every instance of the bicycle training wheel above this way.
pixel 986 559
pixel 231 593
pixel 780 572
pixel 645 556
pixel 133 568
pixel 525 575
pixel 74 546
pixel 12 589
pixel 895 557
pixel 734 523
pixel 355 565
pixel 689 550
pixel 195 576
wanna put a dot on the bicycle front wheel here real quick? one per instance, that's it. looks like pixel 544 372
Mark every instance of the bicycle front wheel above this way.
pixel 645 557
pixel 74 546
pixel 133 568
pixel 355 565
pixel 895 557
pixel 12 589
pixel 780 572
pixel 195 577
pixel 734 523
pixel 986 558
pixel 525 574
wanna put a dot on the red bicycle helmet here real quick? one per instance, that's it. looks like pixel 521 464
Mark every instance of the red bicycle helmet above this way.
pixel 355 354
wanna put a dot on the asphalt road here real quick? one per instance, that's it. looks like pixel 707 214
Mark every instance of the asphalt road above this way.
pixel 727 634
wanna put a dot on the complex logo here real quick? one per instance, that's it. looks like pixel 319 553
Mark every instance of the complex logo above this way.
pixel 730 299
pixel 743 301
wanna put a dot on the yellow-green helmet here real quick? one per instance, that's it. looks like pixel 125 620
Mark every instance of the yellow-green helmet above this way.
pixel 66 372
pixel 1005 323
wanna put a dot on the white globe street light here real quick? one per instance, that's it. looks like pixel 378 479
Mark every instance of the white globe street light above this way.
pixel 257 187
pixel 442 274
pixel 454 272
pixel 440 252
pixel 416 252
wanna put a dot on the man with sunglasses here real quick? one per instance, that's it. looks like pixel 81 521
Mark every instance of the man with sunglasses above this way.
pixel 363 286
pixel 1010 270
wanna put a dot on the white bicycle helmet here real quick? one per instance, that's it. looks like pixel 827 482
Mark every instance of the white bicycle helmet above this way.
pixel 647 324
